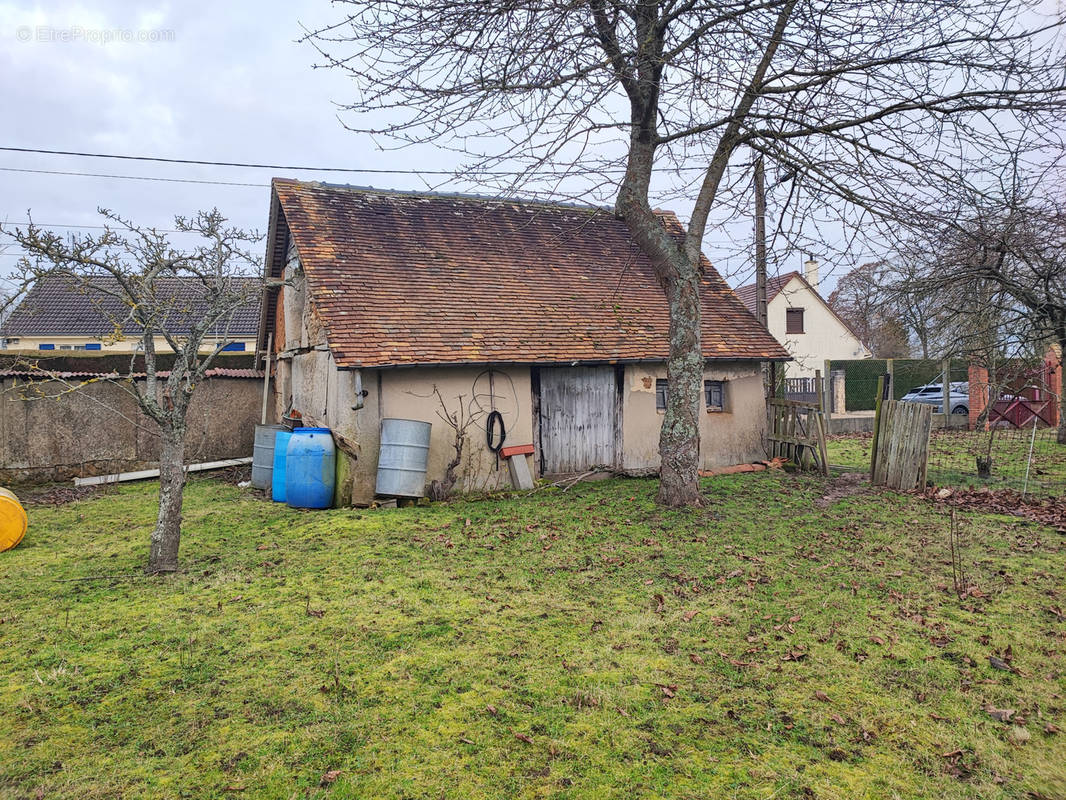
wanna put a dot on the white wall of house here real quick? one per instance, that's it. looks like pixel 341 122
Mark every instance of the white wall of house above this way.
pixel 824 335
pixel 108 344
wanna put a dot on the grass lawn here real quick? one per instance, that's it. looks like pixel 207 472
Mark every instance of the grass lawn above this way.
pixel 585 644
pixel 952 458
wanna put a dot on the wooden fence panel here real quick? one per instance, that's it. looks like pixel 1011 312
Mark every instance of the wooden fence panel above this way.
pixel 903 445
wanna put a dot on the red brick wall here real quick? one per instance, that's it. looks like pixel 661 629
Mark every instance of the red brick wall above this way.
pixel 978 393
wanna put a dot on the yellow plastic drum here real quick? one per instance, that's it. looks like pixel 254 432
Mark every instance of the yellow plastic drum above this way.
pixel 13 520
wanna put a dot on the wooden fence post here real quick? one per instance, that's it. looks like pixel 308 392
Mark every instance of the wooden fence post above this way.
pixel 945 385
pixel 877 423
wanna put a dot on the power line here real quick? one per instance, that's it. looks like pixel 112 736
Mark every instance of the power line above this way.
pixel 131 177
pixel 295 168
pixel 242 164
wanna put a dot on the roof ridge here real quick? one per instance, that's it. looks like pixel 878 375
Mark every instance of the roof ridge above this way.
pixel 482 198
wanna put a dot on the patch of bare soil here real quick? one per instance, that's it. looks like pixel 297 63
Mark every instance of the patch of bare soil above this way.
pixel 846 485
pixel 1050 511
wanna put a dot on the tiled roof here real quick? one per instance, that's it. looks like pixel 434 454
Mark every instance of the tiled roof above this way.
pixel 55 306
pixel 774 286
pixel 404 278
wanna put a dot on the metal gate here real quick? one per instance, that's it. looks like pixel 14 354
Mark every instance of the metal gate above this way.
pixel 578 418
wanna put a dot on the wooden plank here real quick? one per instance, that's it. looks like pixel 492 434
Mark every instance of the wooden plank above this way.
pixel 142 474
pixel 821 445
pixel 923 470
pixel 877 428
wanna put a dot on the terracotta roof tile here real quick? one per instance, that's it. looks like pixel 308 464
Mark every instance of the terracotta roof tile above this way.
pixel 431 279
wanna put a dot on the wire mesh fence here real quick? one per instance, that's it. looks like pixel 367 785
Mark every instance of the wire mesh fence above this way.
pixel 1023 460
pixel 861 377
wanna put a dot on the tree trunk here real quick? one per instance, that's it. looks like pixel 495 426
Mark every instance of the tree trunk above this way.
pixel 679 440
pixel 163 554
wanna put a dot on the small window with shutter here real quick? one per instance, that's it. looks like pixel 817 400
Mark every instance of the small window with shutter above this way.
pixel 794 320
pixel 714 395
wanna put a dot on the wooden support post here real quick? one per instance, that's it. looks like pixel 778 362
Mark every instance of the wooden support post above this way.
pixel 266 374
pixel 881 382
pixel 945 387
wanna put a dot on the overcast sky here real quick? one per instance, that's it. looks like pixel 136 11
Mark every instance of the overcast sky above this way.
pixel 219 81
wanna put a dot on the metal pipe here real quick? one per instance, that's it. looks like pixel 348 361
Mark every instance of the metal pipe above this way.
pixel 359 393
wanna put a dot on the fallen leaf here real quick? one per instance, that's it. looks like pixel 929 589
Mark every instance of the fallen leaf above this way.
pixel 224 788
pixel 523 737
pixel 688 615
pixel 839 720
pixel 877 640
pixel 999 663
pixel 660 604
pixel 621 711
pixel 329 777
pixel 1050 729
pixel 1000 714
pixel 695 658
pixel 466 741
pixel 492 709
pixel 795 618
pixel 820 695
pixel 668 691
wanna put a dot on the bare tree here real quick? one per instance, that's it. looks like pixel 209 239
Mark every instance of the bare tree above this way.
pixel 861 299
pixel 123 270
pixel 997 262
pixel 862 102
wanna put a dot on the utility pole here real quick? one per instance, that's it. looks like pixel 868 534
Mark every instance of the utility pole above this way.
pixel 760 242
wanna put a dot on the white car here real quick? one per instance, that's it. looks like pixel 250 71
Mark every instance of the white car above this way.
pixel 933 394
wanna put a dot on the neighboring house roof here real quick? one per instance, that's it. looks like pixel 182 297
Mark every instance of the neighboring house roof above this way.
pixel 56 306
pixel 403 278
pixel 773 289
pixel 774 286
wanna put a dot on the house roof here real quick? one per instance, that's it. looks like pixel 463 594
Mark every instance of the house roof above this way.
pixel 773 289
pixel 56 306
pixel 403 278
pixel 774 286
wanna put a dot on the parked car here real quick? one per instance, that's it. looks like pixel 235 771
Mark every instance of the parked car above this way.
pixel 933 394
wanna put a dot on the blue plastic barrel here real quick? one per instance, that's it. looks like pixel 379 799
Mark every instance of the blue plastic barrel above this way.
pixel 277 477
pixel 310 468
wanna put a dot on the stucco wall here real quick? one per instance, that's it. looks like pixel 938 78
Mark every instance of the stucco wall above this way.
pixel 824 337
pixel 732 436
pixel 98 428
pixel 475 392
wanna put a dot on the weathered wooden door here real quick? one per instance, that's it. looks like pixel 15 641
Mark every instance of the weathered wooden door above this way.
pixel 578 418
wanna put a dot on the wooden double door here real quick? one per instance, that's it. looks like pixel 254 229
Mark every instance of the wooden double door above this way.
pixel 579 418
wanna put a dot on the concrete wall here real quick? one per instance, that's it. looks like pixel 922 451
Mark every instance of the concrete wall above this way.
pixel 735 435
pixel 824 335
pixel 49 431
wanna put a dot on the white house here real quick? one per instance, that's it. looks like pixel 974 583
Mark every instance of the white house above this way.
pixel 803 322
